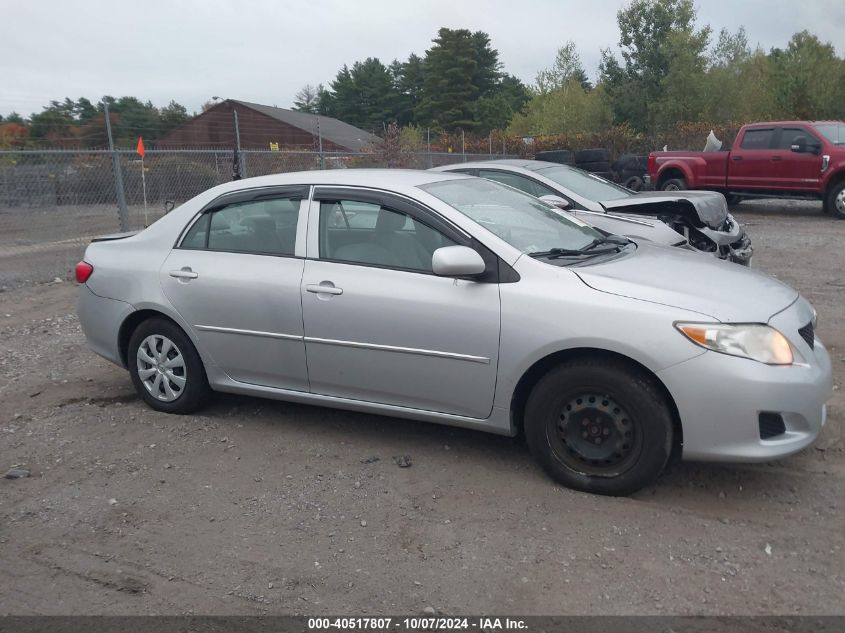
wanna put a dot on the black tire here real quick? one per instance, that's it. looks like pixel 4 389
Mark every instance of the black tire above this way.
pixel 674 184
pixel 733 199
pixel 596 155
pixel 594 167
pixel 562 156
pixel 195 392
pixel 582 395
pixel 834 200
pixel 634 183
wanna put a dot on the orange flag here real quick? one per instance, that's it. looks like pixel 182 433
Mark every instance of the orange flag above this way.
pixel 140 148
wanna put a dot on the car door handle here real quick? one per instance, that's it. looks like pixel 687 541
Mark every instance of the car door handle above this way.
pixel 736 157
pixel 324 289
pixel 774 158
pixel 184 273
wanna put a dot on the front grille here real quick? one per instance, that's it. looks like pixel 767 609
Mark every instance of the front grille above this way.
pixel 807 334
pixel 771 425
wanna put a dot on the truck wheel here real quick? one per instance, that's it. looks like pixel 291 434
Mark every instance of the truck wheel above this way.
pixel 834 202
pixel 674 184
pixel 733 199
pixel 599 425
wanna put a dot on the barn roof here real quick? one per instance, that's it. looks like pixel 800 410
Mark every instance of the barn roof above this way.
pixel 337 132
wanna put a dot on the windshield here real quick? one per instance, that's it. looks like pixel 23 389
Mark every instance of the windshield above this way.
pixel 584 184
pixel 521 220
pixel 833 132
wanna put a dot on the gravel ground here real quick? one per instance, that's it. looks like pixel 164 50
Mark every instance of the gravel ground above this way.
pixel 257 506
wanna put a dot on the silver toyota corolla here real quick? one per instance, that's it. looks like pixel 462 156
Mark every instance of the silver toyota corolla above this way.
pixel 697 220
pixel 453 299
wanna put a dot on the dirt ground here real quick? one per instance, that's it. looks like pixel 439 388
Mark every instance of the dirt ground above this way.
pixel 257 506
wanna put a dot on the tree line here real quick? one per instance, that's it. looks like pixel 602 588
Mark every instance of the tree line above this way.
pixel 666 72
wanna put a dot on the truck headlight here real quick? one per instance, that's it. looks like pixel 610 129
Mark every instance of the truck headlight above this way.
pixel 747 340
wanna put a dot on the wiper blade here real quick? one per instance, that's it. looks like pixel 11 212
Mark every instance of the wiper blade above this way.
pixel 588 250
pixel 554 253
pixel 610 239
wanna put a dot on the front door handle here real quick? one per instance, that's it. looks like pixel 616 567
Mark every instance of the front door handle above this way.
pixel 774 158
pixel 736 157
pixel 325 287
pixel 184 273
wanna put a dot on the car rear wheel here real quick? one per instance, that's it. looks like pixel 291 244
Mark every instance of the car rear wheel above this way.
pixel 166 369
pixel 835 200
pixel 599 426
pixel 674 184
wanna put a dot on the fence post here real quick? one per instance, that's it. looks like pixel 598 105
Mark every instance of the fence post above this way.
pixel 320 145
pixel 430 161
pixel 463 147
pixel 237 166
pixel 123 212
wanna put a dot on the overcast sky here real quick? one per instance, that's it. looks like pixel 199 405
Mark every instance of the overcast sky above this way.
pixel 191 50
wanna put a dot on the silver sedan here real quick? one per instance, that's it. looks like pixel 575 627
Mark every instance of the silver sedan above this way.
pixel 457 300
pixel 697 220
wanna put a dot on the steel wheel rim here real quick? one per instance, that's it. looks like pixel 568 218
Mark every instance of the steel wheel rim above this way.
pixel 161 368
pixel 840 201
pixel 595 435
pixel 671 188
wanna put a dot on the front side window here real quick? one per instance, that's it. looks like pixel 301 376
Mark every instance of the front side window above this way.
pixel 371 234
pixel 757 139
pixel 519 182
pixel 833 132
pixel 521 220
pixel 790 136
pixel 584 184
pixel 261 227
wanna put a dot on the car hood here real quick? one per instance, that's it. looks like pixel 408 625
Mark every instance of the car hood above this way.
pixel 708 208
pixel 690 281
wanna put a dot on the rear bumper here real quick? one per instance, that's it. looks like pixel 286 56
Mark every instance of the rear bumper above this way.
pixel 720 398
pixel 101 319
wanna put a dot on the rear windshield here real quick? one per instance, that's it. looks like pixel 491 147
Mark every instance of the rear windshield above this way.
pixel 584 184
pixel 833 132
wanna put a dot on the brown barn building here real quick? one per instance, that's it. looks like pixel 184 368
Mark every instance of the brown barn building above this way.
pixel 265 127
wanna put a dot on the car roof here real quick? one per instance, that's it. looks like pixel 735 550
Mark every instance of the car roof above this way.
pixel 522 163
pixel 377 178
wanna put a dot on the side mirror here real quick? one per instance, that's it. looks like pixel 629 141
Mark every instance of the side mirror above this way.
pixel 799 144
pixel 456 261
pixel 557 202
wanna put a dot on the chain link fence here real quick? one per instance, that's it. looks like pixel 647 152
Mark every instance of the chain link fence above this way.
pixel 53 202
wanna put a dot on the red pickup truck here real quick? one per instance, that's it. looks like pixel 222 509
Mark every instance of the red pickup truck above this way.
pixel 785 159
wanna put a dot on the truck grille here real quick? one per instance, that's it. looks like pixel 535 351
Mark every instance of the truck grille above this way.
pixel 807 334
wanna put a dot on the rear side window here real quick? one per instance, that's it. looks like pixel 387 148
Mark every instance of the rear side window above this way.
pixel 260 227
pixel 757 139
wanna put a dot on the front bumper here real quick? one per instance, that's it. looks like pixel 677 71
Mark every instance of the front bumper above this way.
pixel 720 398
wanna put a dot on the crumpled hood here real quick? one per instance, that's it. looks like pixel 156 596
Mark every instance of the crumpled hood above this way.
pixel 691 281
pixel 710 207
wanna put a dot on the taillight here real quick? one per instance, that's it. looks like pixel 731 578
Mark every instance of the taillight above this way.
pixel 652 164
pixel 83 271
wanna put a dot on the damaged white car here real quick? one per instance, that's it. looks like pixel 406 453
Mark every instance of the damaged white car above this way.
pixel 697 220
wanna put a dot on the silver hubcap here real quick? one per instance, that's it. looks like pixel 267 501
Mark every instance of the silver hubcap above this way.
pixel 672 188
pixel 161 368
pixel 840 201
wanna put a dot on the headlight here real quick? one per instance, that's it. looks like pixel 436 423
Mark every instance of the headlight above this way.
pixel 755 341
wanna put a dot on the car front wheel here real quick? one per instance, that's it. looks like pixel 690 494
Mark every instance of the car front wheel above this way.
pixel 835 200
pixel 599 426
pixel 166 369
pixel 674 184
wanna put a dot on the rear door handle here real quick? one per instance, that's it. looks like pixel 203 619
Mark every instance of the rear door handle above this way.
pixel 774 158
pixel 325 287
pixel 736 157
pixel 184 273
